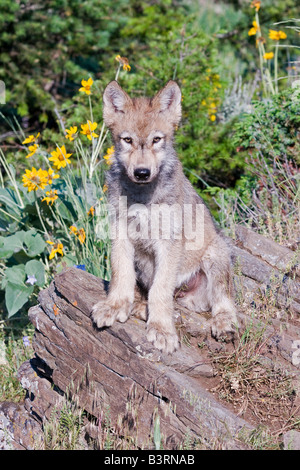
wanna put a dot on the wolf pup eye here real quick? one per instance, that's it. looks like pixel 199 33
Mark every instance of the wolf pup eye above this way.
pixel 128 140
pixel 156 139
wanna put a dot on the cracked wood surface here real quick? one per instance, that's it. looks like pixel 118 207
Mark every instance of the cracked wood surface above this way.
pixel 117 367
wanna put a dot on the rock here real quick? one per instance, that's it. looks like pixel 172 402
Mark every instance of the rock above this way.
pixel 277 256
pixel 291 440
pixel 18 430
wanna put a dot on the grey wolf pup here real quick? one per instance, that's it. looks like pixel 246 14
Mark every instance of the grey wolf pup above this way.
pixel 148 272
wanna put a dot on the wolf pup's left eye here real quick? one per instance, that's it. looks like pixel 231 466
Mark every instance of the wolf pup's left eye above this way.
pixel 156 139
pixel 128 140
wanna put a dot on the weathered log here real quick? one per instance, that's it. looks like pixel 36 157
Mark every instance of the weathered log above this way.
pixel 117 368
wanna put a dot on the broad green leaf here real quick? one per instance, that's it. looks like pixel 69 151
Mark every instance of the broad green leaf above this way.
pixel 31 242
pixel 15 275
pixel 14 242
pixel 15 297
pixel 36 268
pixel 34 243
pixel 4 251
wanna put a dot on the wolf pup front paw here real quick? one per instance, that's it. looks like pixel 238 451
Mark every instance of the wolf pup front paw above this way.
pixel 165 341
pixel 224 326
pixel 105 313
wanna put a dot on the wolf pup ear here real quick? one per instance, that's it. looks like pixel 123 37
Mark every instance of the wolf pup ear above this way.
pixel 115 101
pixel 168 100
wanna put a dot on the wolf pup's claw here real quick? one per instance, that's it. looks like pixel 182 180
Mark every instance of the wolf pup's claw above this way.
pixel 105 314
pixel 224 326
pixel 165 341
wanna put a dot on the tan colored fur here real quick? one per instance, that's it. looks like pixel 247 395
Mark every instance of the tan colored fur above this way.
pixel 142 130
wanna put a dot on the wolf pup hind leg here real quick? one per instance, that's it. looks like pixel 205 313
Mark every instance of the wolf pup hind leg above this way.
pixel 156 252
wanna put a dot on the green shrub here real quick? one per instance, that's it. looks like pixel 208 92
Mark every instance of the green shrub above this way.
pixel 46 47
pixel 273 127
pixel 267 196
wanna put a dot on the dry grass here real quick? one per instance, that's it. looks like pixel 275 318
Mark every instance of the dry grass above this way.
pixel 271 207
pixel 257 385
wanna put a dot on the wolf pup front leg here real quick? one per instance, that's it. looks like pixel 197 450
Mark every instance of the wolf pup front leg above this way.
pixel 118 304
pixel 160 325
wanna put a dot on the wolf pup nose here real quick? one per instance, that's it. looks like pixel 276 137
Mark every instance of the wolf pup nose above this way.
pixel 165 240
pixel 142 174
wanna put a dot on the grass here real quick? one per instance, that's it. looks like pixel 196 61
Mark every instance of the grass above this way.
pixel 267 199
pixel 15 348
pixel 255 385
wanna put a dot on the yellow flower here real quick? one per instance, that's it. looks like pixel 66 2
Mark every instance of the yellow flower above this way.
pixel 71 133
pixel 60 157
pixel 109 155
pixel 212 117
pixel 57 248
pixel 282 35
pixel 255 4
pixel 51 196
pixel 51 176
pixel 276 35
pixel 91 211
pixel 31 138
pixel 268 55
pixel 86 86
pixel 105 188
pixel 123 61
pixel 81 235
pixel 35 179
pixel 32 149
pixel 254 29
pixel 73 229
pixel 88 129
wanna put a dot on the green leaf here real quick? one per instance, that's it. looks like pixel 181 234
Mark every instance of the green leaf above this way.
pixel 4 251
pixel 14 275
pixel 64 211
pixel 36 268
pixel 15 297
pixel 8 197
pixel 30 242
pixel 14 242
pixel 34 243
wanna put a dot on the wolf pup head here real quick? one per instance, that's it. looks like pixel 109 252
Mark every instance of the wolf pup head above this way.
pixel 142 128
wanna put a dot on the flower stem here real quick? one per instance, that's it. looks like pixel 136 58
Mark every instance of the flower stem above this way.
pixel 261 53
pixel 40 217
pixel 276 68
